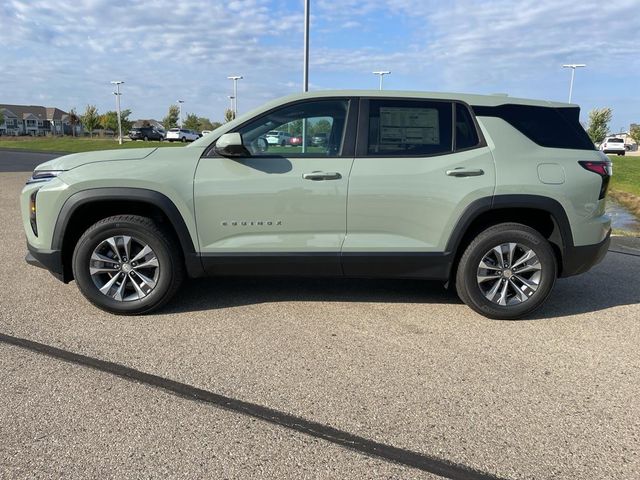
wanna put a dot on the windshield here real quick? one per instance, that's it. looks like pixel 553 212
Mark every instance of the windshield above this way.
pixel 615 140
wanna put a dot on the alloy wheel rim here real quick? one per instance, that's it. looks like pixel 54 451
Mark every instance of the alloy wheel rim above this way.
pixel 509 274
pixel 124 268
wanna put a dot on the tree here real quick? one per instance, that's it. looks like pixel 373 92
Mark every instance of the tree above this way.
pixel 206 124
pixel 229 115
pixel 73 120
pixel 90 120
pixel 215 125
pixel 634 132
pixel 171 120
pixel 191 122
pixel 322 126
pixel 599 119
pixel 109 120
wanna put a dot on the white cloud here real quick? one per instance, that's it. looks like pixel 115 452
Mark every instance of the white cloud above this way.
pixel 164 49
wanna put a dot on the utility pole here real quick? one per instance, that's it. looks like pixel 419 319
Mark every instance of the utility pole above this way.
pixel 305 71
pixel 381 73
pixel 231 98
pixel 305 68
pixel 573 67
pixel 235 79
pixel 180 102
pixel 117 93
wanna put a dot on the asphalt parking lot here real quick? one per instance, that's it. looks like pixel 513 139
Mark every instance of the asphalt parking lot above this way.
pixel 248 378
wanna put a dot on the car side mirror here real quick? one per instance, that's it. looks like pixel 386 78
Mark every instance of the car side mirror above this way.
pixel 230 145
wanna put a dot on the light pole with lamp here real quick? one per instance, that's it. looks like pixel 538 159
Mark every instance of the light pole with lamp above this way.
pixel 117 93
pixel 573 67
pixel 381 73
pixel 180 102
pixel 235 79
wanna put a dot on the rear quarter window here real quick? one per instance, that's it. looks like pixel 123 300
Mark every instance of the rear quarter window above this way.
pixel 546 126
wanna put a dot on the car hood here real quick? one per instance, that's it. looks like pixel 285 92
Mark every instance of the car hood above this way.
pixel 68 162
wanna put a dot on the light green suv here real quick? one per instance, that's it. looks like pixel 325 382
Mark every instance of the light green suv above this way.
pixel 495 195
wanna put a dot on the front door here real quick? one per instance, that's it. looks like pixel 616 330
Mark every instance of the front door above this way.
pixel 282 209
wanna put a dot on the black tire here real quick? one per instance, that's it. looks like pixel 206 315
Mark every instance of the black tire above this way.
pixel 183 139
pixel 283 143
pixel 467 285
pixel 164 245
pixel 146 139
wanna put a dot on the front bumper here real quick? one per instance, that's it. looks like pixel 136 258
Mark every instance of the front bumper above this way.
pixel 49 260
pixel 577 260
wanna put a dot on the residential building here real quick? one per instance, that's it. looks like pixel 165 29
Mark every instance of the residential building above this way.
pixel 34 120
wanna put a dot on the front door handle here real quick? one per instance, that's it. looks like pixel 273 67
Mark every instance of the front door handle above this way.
pixel 321 176
pixel 465 172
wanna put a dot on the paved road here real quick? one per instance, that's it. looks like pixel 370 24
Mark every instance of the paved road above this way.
pixel 316 379
pixel 22 161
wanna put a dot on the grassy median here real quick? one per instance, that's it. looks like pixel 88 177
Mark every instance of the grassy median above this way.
pixel 75 145
pixel 625 183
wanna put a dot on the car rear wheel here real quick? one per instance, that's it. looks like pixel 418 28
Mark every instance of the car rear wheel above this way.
pixel 127 265
pixel 146 139
pixel 506 272
pixel 183 139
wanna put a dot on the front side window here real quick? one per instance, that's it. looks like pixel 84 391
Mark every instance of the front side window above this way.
pixel 309 129
pixel 409 127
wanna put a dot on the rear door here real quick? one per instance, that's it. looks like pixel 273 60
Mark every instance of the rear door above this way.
pixel 281 209
pixel 419 163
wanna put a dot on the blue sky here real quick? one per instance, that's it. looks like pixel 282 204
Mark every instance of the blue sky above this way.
pixel 64 53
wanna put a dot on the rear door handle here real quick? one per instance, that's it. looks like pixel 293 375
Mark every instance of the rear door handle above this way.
pixel 316 176
pixel 465 172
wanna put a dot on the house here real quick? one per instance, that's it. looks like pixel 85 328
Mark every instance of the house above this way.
pixel 34 120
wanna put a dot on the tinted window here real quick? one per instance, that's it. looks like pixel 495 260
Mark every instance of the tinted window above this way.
pixel 409 127
pixel 546 126
pixel 615 140
pixel 290 131
pixel 466 134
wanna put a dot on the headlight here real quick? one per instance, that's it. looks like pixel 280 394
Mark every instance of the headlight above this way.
pixel 43 176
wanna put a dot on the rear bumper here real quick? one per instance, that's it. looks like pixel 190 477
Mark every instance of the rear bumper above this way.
pixel 577 260
pixel 48 259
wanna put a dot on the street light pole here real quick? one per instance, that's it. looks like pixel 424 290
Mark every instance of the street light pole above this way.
pixel 180 102
pixel 381 73
pixel 235 79
pixel 117 93
pixel 305 70
pixel 231 98
pixel 573 67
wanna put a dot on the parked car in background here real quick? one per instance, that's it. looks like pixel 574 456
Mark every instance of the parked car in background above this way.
pixel 146 133
pixel 319 139
pixel 274 137
pixel 613 145
pixel 181 135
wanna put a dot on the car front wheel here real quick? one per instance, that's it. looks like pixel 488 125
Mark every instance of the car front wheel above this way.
pixel 127 265
pixel 506 272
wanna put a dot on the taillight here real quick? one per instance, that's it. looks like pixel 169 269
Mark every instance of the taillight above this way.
pixel 604 169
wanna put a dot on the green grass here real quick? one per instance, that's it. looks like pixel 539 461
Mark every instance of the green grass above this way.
pixel 626 174
pixel 75 145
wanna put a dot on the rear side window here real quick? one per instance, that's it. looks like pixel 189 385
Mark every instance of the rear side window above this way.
pixel 466 134
pixel 615 140
pixel 546 126
pixel 409 127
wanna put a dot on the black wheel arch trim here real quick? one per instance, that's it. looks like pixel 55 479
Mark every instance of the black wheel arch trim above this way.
pixel 509 201
pixel 157 199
